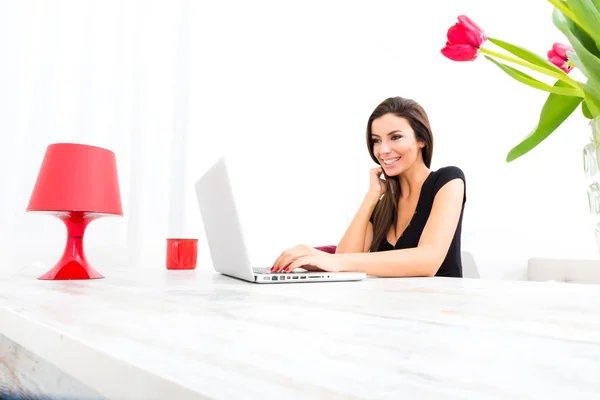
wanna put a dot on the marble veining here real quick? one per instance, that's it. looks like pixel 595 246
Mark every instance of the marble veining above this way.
pixel 153 333
pixel 23 373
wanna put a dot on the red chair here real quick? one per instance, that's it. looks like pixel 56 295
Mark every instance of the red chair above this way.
pixel 327 249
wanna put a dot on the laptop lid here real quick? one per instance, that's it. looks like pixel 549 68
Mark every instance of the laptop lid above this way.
pixel 221 222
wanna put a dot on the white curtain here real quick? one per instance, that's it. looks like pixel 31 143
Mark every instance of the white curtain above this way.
pixel 111 74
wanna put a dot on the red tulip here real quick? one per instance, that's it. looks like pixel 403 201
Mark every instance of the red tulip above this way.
pixel 464 40
pixel 558 56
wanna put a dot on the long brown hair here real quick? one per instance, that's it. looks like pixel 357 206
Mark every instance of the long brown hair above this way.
pixel 386 211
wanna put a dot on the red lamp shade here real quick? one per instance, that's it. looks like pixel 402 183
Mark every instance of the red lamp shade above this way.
pixel 77 183
pixel 77 177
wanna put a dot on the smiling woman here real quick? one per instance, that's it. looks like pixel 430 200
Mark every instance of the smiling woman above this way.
pixel 409 224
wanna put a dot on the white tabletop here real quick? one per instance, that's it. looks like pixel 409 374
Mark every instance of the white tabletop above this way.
pixel 154 333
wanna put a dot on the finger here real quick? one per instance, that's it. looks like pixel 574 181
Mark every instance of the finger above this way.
pixel 277 262
pixel 286 258
pixel 290 258
pixel 285 255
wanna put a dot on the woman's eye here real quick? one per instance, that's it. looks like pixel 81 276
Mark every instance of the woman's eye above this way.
pixel 375 140
pixel 395 137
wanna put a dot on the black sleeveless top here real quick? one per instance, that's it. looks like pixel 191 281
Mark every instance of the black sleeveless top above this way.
pixel 452 265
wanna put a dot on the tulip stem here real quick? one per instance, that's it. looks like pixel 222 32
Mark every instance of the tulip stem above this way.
pixel 562 77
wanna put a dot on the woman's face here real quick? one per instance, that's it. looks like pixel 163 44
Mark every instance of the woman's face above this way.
pixel 394 144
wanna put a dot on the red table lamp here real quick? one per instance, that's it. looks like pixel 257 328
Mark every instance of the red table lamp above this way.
pixel 77 183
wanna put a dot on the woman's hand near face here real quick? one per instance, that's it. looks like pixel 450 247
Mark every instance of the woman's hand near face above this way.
pixel 377 185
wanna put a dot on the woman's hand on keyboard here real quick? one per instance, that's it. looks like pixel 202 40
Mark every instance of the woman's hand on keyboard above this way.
pixel 306 257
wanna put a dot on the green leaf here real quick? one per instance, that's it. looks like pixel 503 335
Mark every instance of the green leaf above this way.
pixel 528 80
pixel 527 55
pixel 588 15
pixel 573 57
pixel 590 63
pixel 555 111
pixel 574 32
pixel 585 110
pixel 592 100
pixel 591 89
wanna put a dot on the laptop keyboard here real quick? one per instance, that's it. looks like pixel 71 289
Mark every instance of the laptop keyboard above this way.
pixel 262 270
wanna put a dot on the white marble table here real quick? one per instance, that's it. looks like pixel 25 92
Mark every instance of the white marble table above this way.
pixel 157 334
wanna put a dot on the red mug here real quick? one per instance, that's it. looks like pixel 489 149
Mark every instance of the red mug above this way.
pixel 182 253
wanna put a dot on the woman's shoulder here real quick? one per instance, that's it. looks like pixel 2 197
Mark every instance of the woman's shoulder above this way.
pixel 444 175
pixel 450 172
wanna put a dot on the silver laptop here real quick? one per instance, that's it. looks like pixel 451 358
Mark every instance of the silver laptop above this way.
pixel 225 239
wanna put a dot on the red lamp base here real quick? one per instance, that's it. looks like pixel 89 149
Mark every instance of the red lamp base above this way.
pixel 73 264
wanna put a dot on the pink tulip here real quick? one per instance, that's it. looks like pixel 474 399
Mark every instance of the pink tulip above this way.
pixel 558 56
pixel 464 40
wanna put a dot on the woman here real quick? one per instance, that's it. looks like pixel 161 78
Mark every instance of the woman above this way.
pixel 408 224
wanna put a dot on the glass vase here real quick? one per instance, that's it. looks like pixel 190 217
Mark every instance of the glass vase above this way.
pixel 591 169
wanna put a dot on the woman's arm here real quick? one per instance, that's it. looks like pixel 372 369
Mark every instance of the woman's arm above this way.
pixel 359 235
pixel 426 258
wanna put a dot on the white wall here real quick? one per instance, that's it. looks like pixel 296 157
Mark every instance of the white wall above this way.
pixel 287 90
pixel 284 89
